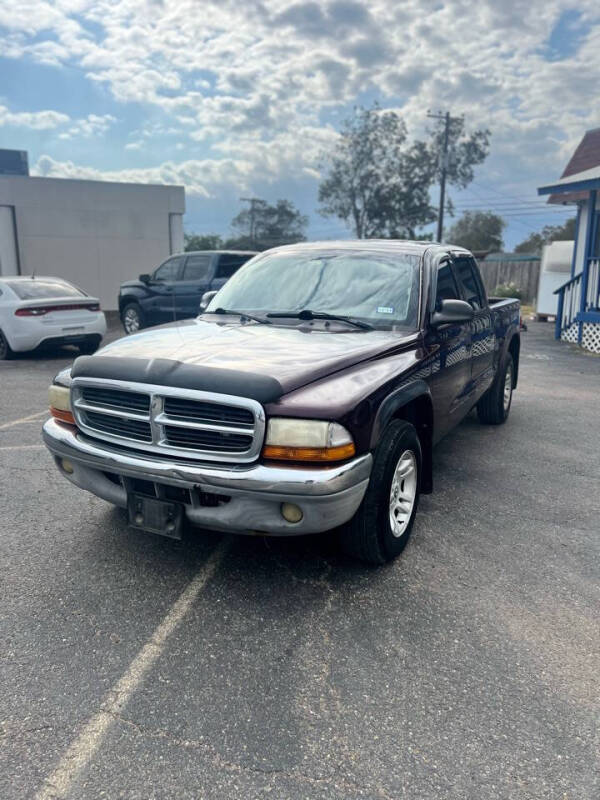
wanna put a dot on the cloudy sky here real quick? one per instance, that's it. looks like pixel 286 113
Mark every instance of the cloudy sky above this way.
pixel 241 97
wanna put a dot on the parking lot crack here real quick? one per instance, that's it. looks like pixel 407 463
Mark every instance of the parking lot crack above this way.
pixel 333 778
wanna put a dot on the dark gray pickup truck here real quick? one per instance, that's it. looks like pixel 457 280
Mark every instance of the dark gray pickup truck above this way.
pixel 306 398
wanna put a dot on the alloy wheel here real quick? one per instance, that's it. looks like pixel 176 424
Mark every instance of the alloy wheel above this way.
pixel 508 381
pixel 131 321
pixel 403 492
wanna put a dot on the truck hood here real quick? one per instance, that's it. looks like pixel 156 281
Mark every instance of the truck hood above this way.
pixel 286 358
pixel 134 282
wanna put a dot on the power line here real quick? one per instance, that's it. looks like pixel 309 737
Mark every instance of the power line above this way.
pixel 515 212
pixel 506 204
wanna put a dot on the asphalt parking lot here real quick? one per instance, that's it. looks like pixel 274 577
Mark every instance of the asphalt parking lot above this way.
pixel 134 666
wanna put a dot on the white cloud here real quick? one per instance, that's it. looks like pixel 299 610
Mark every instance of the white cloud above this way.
pixel 200 177
pixel 249 83
pixel 36 120
pixel 92 125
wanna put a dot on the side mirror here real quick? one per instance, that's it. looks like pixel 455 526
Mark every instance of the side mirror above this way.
pixel 452 312
pixel 145 277
pixel 206 298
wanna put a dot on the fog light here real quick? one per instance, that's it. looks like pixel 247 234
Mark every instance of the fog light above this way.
pixel 291 512
pixel 67 466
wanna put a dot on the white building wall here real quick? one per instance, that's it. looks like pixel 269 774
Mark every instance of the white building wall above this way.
pixel 582 232
pixel 93 233
pixel 9 263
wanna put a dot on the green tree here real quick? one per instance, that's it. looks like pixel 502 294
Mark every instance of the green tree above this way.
pixel 477 230
pixel 464 151
pixel 379 182
pixel 549 233
pixel 263 225
pixel 208 241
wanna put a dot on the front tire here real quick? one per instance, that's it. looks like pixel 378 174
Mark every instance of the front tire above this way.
pixel 5 349
pixel 381 528
pixel 494 406
pixel 132 318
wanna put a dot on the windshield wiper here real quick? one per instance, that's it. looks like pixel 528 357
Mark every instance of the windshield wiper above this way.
pixel 306 313
pixel 241 314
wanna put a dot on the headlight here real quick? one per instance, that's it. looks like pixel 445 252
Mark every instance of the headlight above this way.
pixel 307 440
pixel 64 377
pixel 59 399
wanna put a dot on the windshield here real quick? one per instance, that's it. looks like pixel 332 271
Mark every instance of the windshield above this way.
pixel 39 288
pixel 379 288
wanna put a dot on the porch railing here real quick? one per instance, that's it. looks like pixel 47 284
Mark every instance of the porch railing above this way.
pixel 569 303
pixel 592 294
pixel 570 296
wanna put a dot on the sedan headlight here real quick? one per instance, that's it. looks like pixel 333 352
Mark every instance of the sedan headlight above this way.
pixel 307 440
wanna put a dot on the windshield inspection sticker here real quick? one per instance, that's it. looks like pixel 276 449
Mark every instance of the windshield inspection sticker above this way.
pixel 385 309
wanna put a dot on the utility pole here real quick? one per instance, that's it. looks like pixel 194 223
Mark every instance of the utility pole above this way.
pixel 444 168
pixel 252 201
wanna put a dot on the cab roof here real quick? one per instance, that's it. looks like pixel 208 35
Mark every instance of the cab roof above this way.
pixel 386 245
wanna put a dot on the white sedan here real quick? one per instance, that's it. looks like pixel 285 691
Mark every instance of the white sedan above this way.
pixel 39 310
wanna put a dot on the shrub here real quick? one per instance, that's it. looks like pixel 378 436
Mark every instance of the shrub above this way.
pixel 508 290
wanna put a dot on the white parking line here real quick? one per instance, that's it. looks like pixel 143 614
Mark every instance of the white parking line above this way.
pixel 30 418
pixel 23 447
pixel 83 748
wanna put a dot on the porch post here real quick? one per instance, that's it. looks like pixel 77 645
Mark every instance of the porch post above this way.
pixel 559 313
pixel 574 259
pixel 589 242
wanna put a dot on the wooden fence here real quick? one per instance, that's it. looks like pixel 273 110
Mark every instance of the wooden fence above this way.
pixel 502 268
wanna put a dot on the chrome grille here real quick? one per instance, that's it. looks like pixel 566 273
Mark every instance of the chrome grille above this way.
pixel 179 408
pixel 184 422
pixel 131 428
pixel 110 398
pixel 207 440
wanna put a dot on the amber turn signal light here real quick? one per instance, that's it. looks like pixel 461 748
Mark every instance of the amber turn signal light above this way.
pixel 315 454
pixel 62 416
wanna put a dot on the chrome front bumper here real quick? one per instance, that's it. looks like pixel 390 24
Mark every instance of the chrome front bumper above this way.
pixel 328 496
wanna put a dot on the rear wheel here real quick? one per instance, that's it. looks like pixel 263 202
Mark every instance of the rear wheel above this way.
pixel 382 525
pixel 5 351
pixel 494 406
pixel 132 318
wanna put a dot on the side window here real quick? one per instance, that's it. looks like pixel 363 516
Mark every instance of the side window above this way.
pixel 168 271
pixel 469 278
pixel 197 268
pixel 446 285
pixel 229 265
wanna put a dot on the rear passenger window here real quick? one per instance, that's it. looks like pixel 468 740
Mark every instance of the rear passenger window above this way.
pixel 229 265
pixel 446 286
pixel 467 274
pixel 197 268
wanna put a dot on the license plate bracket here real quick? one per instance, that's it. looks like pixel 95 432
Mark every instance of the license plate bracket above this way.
pixel 157 516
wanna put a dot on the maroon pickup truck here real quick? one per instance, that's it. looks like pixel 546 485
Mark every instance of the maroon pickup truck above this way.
pixel 306 398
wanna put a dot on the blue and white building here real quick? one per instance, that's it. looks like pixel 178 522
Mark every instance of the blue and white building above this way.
pixel 578 316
